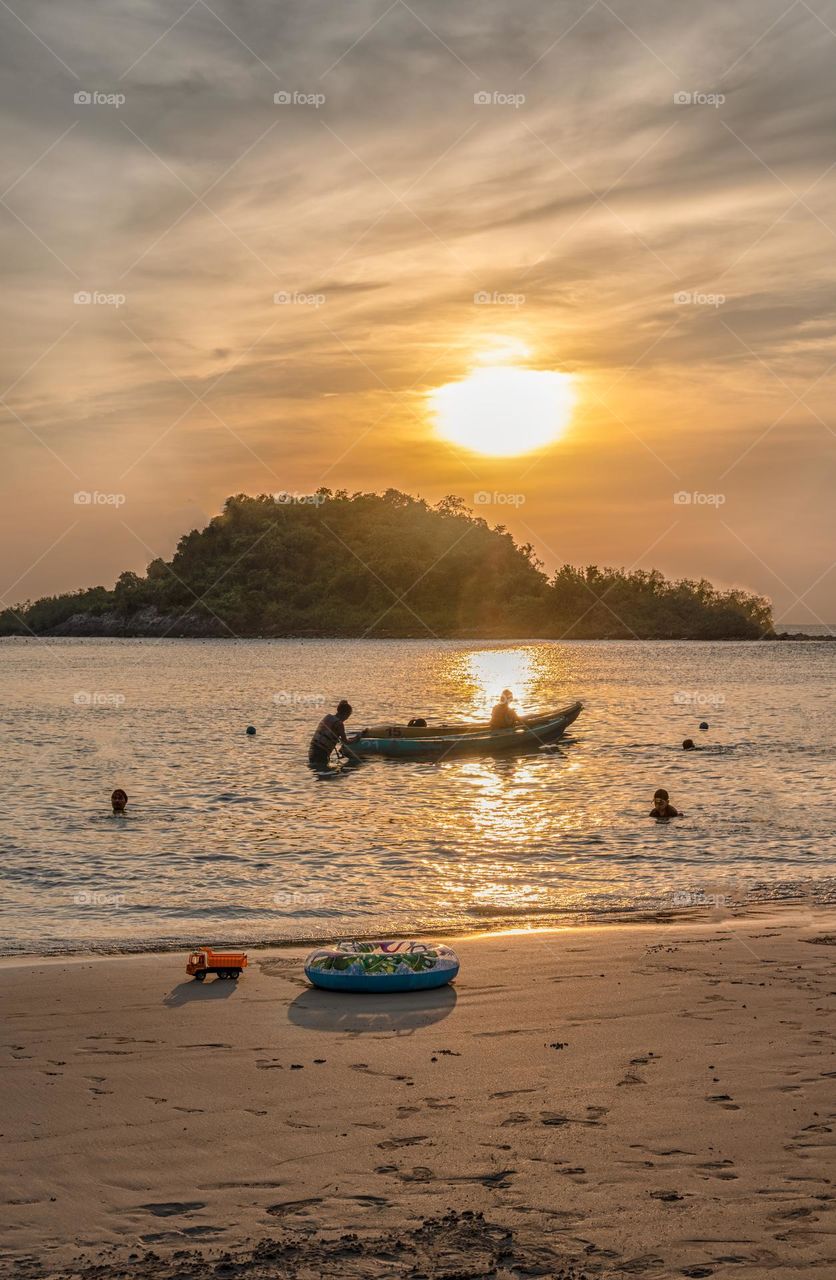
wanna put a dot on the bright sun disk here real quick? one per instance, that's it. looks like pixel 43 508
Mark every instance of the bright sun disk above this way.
pixel 503 410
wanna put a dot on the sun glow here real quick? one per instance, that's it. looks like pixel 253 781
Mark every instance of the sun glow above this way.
pixel 502 409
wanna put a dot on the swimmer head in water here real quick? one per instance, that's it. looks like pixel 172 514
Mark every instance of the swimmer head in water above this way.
pixel 662 807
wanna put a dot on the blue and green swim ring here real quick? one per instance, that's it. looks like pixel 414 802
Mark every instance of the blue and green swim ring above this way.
pixel 382 966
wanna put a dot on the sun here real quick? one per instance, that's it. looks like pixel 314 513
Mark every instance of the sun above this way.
pixel 501 409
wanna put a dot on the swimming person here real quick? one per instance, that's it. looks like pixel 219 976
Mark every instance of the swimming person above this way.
pixel 690 745
pixel 330 732
pixel 503 715
pixel 662 808
pixel 119 800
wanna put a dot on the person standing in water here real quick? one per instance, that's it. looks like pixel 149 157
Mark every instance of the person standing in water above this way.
pixel 119 801
pixel 330 732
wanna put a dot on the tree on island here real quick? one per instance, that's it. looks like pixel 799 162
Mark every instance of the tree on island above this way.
pixel 367 564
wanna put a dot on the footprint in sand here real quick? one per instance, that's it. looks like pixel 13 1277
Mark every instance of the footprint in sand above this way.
pixel 793 1215
pixel 720 1169
pixel 645 1262
pixel 109 1053
pixel 172 1208
pixel 391 1144
pixel 593 1117
pixel 662 1151
pixel 191 1233
pixel 288 1207
pixel 724 1100
pixel 419 1174
pixel 631 1075
pixel 499 1178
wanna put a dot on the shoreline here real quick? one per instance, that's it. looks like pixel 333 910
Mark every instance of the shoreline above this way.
pixel 601 1100
pixel 766 915
pixel 618 918
pixel 458 637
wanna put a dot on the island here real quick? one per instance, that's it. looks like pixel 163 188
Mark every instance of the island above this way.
pixel 334 564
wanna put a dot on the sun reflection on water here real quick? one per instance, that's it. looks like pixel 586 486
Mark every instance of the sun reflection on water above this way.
pixel 488 671
pixel 510 803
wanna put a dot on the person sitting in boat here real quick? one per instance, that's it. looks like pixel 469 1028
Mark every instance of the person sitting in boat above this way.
pixel 330 732
pixel 503 715
pixel 662 808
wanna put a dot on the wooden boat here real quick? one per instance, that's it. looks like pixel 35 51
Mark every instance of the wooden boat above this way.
pixel 412 741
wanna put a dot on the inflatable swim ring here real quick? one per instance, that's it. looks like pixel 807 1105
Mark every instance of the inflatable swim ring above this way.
pixel 381 966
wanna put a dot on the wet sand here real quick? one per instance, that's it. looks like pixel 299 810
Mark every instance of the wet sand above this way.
pixel 628 1101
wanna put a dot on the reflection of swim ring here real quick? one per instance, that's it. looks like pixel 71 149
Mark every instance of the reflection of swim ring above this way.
pixel 381 966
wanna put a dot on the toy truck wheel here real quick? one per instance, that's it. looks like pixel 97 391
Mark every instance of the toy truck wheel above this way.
pixel 224 973
pixel 235 974
pixel 200 975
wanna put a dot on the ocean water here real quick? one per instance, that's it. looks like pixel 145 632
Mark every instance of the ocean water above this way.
pixel 230 837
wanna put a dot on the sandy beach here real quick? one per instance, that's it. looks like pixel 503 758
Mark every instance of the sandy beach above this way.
pixel 634 1100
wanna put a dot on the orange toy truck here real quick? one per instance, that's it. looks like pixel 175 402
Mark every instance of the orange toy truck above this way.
pixel 226 964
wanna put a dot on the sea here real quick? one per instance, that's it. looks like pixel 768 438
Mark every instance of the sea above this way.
pixel 231 837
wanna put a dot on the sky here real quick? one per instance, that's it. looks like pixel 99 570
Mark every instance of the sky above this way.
pixel 244 245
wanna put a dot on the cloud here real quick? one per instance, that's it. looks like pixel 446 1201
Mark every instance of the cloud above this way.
pixel 397 198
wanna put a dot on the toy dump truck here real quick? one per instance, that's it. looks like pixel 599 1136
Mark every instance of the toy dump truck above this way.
pixel 226 964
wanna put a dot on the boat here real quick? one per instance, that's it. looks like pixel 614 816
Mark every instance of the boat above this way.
pixel 458 739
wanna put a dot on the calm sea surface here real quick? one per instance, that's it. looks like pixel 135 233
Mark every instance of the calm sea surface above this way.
pixel 233 837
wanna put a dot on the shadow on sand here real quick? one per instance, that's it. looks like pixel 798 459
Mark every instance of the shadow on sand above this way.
pixel 214 989
pixel 357 1012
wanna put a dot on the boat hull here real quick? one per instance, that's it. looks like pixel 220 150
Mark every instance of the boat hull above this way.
pixel 399 743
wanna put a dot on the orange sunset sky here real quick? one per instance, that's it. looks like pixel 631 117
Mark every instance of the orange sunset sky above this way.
pixel 638 196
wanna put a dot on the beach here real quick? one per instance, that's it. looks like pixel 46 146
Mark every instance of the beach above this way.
pixel 651 1099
